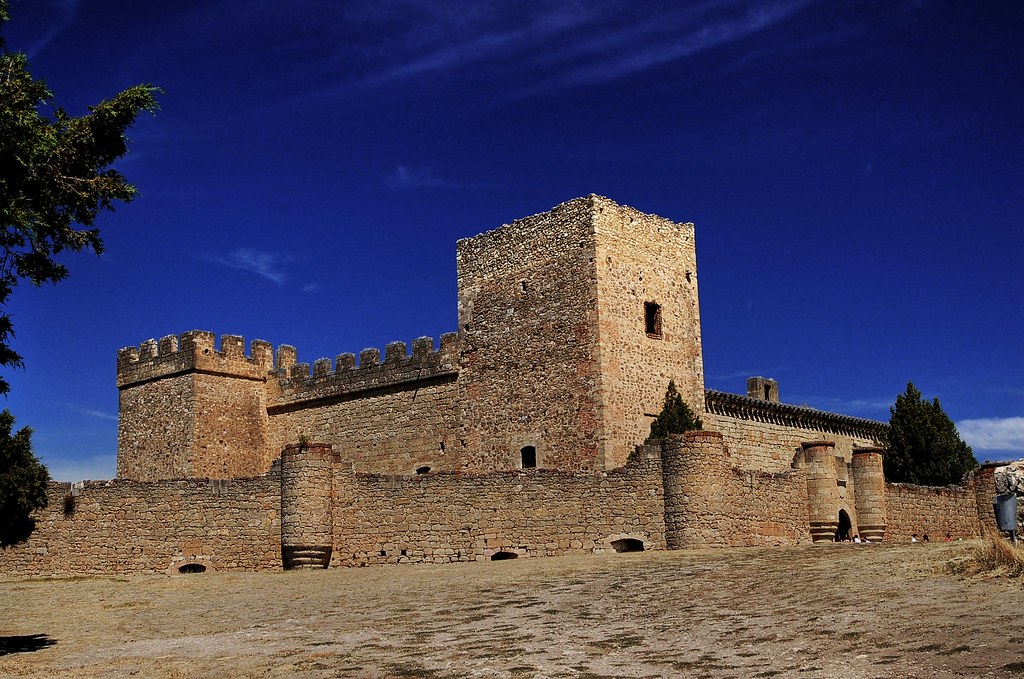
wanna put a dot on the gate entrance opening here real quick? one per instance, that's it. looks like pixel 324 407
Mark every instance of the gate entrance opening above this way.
pixel 843 531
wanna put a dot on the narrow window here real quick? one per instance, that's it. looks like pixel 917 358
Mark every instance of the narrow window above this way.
pixel 652 319
pixel 529 454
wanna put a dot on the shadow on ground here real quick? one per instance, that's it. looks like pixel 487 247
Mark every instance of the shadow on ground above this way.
pixel 24 644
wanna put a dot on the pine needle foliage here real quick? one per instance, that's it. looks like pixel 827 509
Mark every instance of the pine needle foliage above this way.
pixel 675 416
pixel 922 445
pixel 56 176
pixel 23 481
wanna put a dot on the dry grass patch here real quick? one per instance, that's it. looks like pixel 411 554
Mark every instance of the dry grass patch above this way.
pixel 994 555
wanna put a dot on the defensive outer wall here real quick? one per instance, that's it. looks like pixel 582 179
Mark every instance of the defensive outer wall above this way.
pixel 311 510
pixel 513 437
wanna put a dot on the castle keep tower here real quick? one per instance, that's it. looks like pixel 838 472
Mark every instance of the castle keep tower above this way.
pixel 571 325
pixel 573 322
pixel 189 410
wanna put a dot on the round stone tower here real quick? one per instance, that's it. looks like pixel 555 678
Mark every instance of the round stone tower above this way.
pixel 869 486
pixel 307 505
pixel 822 497
pixel 691 466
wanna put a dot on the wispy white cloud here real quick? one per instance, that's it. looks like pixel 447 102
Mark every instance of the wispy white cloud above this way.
pixel 870 408
pixel 653 43
pixel 63 16
pixel 97 414
pixel 769 373
pixel 270 265
pixel 89 412
pixel 451 39
pixel 994 433
pixel 581 44
pixel 531 49
pixel 405 177
pixel 739 377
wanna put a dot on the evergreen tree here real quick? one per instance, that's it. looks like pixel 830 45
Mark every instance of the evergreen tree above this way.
pixel 675 417
pixel 55 176
pixel 23 481
pixel 923 445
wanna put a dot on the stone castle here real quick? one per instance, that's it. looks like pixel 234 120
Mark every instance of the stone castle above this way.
pixel 511 438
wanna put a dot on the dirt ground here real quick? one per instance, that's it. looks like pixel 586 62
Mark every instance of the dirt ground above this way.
pixel 821 611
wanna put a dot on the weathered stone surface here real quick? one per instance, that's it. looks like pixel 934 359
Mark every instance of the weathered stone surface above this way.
pixel 1010 478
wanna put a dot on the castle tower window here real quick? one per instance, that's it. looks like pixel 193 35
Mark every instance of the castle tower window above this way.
pixel 652 319
pixel 529 456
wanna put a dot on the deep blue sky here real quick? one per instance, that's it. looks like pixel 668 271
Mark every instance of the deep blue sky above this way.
pixel 855 172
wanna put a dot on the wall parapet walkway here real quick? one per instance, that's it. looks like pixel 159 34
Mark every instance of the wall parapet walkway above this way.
pixel 760 410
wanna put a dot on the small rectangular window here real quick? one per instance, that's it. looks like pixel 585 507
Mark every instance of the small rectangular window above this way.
pixel 652 319
pixel 529 456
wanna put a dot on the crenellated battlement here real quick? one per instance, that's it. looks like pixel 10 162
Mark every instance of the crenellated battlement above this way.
pixel 196 351
pixel 193 351
pixel 345 376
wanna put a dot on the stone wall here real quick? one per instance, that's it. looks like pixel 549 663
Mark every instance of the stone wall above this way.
pixel 985 493
pixel 766 436
pixel 711 503
pixel 557 355
pixel 528 325
pixel 392 417
pixel 152 443
pixel 931 510
pixel 464 516
pixel 231 438
pixel 154 527
pixel 190 410
pixel 644 264
pixel 685 492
